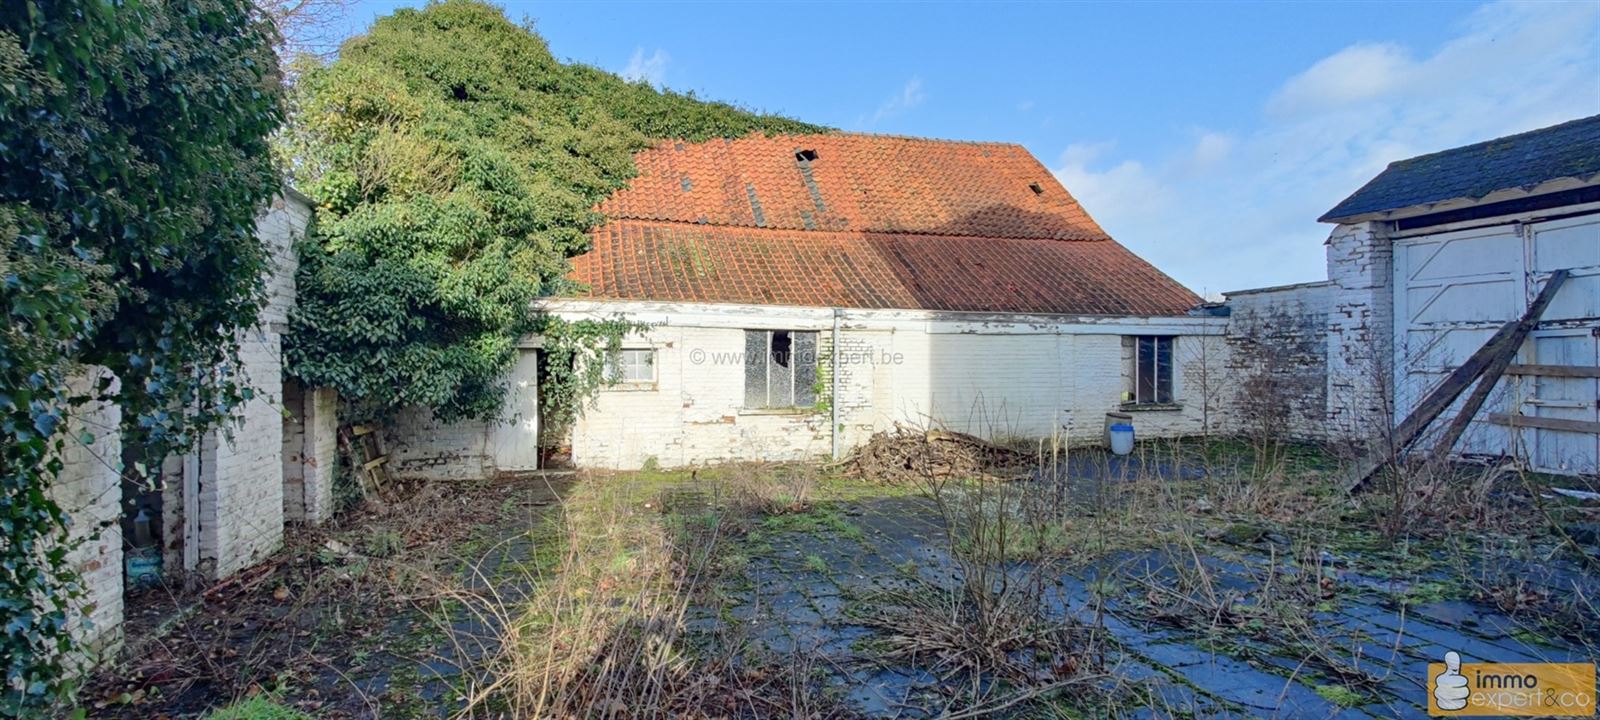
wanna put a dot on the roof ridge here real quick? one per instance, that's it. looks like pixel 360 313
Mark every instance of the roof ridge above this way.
pixel 1494 140
pixel 900 136
pixel 819 231
pixel 848 133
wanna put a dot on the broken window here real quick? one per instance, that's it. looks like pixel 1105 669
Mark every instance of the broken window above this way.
pixel 780 369
pixel 632 366
pixel 1152 370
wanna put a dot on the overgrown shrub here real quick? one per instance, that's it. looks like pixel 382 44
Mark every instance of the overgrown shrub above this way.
pixel 134 158
pixel 456 164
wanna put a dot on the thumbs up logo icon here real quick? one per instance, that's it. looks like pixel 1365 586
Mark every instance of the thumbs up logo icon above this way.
pixel 1450 689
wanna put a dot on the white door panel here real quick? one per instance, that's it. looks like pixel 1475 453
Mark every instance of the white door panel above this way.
pixel 1453 290
pixel 516 436
pixel 1563 398
pixel 1572 244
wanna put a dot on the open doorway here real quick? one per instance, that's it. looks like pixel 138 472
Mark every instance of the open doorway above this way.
pixel 555 437
pixel 145 539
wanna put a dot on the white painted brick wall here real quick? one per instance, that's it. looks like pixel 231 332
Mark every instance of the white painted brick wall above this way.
pixel 320 455
pixel 242 478
pixel 89 490
pixel 294 460
pixel 420 446
pixel 310 453
pixel 1360 330
pixel 1279 342
pixel 242 487
pixel 999 376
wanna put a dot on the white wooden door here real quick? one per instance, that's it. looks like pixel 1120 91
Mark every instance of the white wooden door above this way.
pixel 1563 398
pixel 516 436
pixel 1567 338
pixel 1453 290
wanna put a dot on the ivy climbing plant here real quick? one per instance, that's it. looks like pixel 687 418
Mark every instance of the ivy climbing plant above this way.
pixel 134 157
pixel 456 164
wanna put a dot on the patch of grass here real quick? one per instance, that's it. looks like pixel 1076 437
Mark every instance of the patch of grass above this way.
pixel 1430 591
pixel 733 563
pixel 819 520
pixel 851 489
pixel 258 708
pixel 1341 695
pixel 816 564
pixel 384 543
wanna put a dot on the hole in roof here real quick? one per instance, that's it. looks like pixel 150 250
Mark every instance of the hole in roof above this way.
pixel 1036 188
pixel 687 185
pixel 805 156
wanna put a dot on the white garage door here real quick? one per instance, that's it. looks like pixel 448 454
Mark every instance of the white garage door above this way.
pixel 1453 290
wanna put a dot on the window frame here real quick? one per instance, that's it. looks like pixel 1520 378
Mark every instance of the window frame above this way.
pixel 1162 389
pixel 801 369
pixel 617 369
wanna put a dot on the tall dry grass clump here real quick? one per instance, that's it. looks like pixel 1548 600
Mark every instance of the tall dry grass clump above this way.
pixel 590 622
pixel 587 616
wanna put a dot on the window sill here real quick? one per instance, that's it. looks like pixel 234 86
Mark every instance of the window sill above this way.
pixel 1150 407
pixel 779 411
pixel 631 387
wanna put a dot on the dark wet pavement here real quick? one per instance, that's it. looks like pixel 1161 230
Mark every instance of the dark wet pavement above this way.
pixel 797 597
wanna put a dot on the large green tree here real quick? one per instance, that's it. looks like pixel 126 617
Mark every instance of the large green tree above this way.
pixel 455 164
pixel 134 157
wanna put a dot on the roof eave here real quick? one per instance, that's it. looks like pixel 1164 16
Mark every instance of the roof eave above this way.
pixel 1502 195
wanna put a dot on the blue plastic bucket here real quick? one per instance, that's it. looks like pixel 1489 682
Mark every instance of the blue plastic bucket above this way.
pixel 1121 439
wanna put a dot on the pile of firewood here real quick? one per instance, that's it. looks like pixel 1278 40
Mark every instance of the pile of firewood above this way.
pixel 906 456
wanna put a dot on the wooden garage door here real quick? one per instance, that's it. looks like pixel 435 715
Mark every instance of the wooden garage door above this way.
pixel 1453 290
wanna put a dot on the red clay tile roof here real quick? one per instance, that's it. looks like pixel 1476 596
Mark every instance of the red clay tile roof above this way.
pixel 871 222
pixel 679 262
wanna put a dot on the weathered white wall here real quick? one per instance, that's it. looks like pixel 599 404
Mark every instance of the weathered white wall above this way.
pixel 310 452
pixel 1360 331
pixel 241 475
pixel 89 490
pixel 241 489
pixel 995 375
pixel 1278 359
pixel 420 446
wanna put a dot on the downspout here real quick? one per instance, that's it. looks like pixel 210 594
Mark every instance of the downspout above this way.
pixel 833 382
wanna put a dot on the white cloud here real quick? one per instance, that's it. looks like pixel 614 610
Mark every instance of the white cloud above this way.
pixel 1356 73
pixel 908 97
pixel 1025 106
pixel 1238 209
pixel 1211 150
pixel 652 69
pixel 1122 190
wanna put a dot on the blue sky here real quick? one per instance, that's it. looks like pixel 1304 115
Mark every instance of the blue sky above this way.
pixel 1205 137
